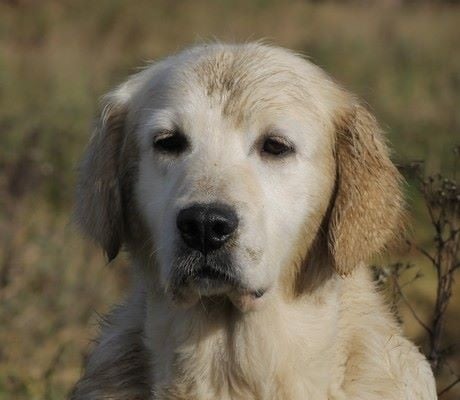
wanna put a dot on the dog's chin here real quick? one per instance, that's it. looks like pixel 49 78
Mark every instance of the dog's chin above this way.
pixel 207 286
pixel 204 292
pixel 209 283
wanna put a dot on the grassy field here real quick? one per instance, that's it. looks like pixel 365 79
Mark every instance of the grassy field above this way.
pixel 58 57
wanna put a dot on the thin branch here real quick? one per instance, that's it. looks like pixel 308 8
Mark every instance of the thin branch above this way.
pixel 425 253
pixel 417 276
pixel 451 369
pixel 448 387
pixel 414 314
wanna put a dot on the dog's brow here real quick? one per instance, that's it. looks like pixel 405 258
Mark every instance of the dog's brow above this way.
pixel 160 120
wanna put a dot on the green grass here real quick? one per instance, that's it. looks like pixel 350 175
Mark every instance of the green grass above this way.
pixel 58 57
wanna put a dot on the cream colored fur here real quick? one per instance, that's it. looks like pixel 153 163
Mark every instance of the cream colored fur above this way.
pixel 310 223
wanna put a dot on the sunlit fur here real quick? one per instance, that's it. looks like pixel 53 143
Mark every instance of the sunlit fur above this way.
pixel 309 223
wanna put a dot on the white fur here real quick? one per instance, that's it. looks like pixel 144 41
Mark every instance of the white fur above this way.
pixel 336 341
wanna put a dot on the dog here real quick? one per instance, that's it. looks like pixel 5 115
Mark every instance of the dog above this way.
pixel 250 191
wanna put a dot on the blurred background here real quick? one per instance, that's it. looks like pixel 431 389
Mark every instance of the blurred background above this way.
pixel 57 58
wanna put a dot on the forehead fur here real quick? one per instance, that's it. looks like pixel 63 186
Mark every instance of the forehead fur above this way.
pixel 241 79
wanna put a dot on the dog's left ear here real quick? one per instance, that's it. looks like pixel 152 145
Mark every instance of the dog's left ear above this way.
pixel 368 208
pixel 98 209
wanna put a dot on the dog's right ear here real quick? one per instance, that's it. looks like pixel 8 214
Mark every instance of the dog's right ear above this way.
pixel 99 208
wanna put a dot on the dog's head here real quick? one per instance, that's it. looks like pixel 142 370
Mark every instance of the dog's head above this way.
pixel 226 163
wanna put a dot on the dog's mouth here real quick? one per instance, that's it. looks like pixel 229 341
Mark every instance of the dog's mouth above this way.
pixel 207 279
pixel 213 274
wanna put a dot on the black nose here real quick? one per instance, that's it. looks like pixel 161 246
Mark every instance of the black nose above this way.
pixel 207 227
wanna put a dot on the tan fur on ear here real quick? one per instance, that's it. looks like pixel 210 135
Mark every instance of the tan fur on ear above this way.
pixel 98 208
pixel 367 212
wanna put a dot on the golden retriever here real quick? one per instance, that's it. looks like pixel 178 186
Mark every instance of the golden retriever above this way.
pixel 250 190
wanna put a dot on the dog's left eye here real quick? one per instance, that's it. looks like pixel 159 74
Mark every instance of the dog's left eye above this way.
pixel 277 147
pixel 173 142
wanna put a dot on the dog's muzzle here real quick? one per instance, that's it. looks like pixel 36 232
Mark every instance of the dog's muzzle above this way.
pixel 207 231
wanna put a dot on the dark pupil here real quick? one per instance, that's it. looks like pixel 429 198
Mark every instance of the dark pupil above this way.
pixel 175 143
pixel 275 147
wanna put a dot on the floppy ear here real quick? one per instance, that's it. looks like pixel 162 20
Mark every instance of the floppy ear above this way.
pixel 367 212
pixel 99 206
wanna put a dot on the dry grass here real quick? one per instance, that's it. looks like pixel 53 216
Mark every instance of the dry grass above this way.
pixel 58 57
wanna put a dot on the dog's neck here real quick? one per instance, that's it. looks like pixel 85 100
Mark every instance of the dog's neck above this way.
pixel 213 350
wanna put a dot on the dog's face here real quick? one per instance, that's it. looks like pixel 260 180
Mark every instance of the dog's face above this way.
pixel 235 164
pixel 225 198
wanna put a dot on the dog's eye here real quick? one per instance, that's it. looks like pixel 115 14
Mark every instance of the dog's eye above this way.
pixel 173 142
pixel 277 147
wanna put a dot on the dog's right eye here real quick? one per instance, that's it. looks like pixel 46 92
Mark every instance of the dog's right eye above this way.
pixel 172 142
